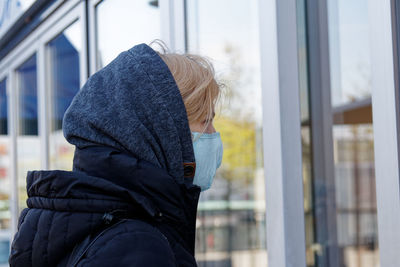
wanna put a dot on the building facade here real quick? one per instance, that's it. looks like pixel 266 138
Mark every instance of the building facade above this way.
pixel 309 117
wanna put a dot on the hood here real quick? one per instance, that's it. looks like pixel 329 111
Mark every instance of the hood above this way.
pixel 133 105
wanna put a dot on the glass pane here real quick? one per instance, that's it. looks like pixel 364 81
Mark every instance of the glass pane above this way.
pixel 353 133
pixel 64 73
pixel 5 181
pixel 231 215
pixel 350 52
pixel 349 226
pixel 28 142
pixel 123 23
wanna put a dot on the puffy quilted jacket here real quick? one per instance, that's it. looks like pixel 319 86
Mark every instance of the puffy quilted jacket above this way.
pixel 136 214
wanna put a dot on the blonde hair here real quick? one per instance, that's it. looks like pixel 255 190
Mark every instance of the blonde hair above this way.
pixel 195 77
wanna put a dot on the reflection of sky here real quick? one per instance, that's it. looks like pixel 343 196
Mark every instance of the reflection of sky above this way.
pixel 25 3
pixel 123 24
pixel 352 48
pixel 74 35
pixel 215 24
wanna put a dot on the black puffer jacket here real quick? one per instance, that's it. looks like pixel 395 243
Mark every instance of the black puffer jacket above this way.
pixel 127 201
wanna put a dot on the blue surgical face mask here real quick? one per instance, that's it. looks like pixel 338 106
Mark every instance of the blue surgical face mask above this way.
pixel 208 154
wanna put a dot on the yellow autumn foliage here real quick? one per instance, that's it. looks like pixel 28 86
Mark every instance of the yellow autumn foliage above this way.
pixel 239 144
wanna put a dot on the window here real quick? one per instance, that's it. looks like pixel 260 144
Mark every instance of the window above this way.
pixel 122 24
pixel 353 134
pixel 28 142
pixel 231 215
pixel 64 73
pixel 340 201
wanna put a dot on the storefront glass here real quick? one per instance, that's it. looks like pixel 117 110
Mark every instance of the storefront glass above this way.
pixel 349 226
pixel 28 141
pixel 231 215
pixel 123 23
pixel 5 181
pixel 353 134
pixel 64 73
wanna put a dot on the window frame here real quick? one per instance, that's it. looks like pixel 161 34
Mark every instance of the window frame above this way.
pixel 62 17
pixel 282 133
pixel 384 36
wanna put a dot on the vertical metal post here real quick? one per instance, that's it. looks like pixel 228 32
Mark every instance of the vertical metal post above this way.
pixel 173 24
pixel 321 118
pixel 179 22
pixel 92 35
pixel 12 128
pixel 42 107
pixel 281 133
pixel 84 59
pixel 385 101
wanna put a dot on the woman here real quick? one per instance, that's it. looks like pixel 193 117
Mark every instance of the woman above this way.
pixel 131 198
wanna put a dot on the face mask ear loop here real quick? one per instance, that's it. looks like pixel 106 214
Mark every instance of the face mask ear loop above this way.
pixel 195 139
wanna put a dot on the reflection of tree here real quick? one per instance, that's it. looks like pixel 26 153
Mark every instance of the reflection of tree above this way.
pixel 239 156
pixel 235 122
pixel 361 87
pixel 235 80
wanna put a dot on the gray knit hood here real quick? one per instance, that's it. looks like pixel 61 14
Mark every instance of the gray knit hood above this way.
pixel 134 105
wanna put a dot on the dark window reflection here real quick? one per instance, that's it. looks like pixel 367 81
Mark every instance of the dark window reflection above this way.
pixel 28 111
pixel 3 108
pixel 64 75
